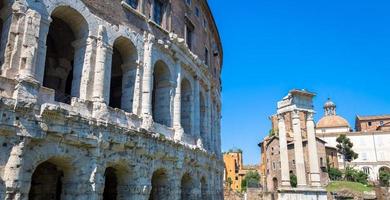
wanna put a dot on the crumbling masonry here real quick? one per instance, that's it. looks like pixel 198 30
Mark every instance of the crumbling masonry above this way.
pixel 109 99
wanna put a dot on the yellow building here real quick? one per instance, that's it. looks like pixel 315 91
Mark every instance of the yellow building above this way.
pixel 233 169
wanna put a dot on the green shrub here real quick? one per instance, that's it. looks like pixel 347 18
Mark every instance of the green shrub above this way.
pixel 384 178
pixel 293 180
pixel 335 174
pixel 355 175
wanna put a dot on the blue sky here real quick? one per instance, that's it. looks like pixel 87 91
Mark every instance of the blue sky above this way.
pixel 337 49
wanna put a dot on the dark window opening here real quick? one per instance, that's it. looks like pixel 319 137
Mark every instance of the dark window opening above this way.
pixel 369 123
pixel 116 80
pixel 110 184
pixel 46 182
pixel 189 32
pixel 158 11
pixel 133 3
pixel 59 60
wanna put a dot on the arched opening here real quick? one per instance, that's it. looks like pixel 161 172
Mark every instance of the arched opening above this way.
pixel 203 189
pixel 161 95
pixel 186 106
pixel 203 123
pixel 47 182
pixel 160 189
pixel 186 187
pixel 64 56
pixel 123 74
pixel 110 184
pixel 275 183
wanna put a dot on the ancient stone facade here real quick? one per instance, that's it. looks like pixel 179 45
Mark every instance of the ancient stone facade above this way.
pixel 104 99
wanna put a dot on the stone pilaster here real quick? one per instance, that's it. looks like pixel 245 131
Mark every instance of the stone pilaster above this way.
pixel 82 64
pixel 298 149
pixel 42 48
pixel 102 68
pixel 208 120
pixel 138 89
pixel 13 49
pixel 196 117
pixel 285 171
pixel 177 106
pixel 147 79
pixel 313 153
pixel 29 55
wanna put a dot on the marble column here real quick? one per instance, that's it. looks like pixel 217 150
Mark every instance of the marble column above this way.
pixel 102 66
pixel 313 153
pixel 196 115
pixel 177 106
pixel 147 79
pixel 298 149
pixel 285 171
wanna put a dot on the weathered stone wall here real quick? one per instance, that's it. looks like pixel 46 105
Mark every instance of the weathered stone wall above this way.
pixel 55 97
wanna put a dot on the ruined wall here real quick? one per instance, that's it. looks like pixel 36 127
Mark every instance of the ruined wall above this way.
pixel 66 109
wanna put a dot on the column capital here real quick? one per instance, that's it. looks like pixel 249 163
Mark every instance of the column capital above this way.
pixel 295 114
pixel 280 117
pixel 310 116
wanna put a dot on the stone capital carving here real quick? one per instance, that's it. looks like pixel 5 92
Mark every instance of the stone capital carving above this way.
pixel 310 116
pixel 295 114
pixel 280 117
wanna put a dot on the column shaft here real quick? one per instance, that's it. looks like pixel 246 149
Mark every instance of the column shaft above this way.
pixel 147 79
pixel 313 153
pixel 177 106
pixel 196 115
pixel 101 69
pixel 285 171
pixel 298 150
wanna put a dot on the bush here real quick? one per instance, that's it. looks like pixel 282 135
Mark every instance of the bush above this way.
pixel 384 178
pixel 355 175
pixel 293 180
pixel 335 174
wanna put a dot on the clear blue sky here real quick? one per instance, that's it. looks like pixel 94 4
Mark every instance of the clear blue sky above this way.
pixel 339 49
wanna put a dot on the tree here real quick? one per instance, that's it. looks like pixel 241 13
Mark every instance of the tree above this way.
pixel 344 147
pixel 251 179
pixel 229 182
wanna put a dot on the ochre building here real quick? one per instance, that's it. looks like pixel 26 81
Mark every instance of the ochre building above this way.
pixel 109 99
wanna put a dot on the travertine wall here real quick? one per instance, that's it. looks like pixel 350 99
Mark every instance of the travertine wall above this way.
pixel 77 132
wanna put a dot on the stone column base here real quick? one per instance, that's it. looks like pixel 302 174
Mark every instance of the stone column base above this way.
pixel 302 194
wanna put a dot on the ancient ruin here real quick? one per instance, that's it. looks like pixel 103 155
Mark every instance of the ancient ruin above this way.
pixel 104 99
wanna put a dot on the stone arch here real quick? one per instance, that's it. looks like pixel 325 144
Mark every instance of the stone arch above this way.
pixel 187 101
pixel 160 185
pixel 65 51
pixel 70 161
pixel 203 119
pixel 117 178
pixel 123 74
pixel 50 177
pixel 186 184
pixel 204 188
pixel 161 94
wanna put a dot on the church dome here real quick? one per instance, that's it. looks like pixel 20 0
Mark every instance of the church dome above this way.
pixel 332 121
pixel 329 104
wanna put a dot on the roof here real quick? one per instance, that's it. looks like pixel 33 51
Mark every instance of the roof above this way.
pixel 372 117
pixel 302 92
pixel 332 121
